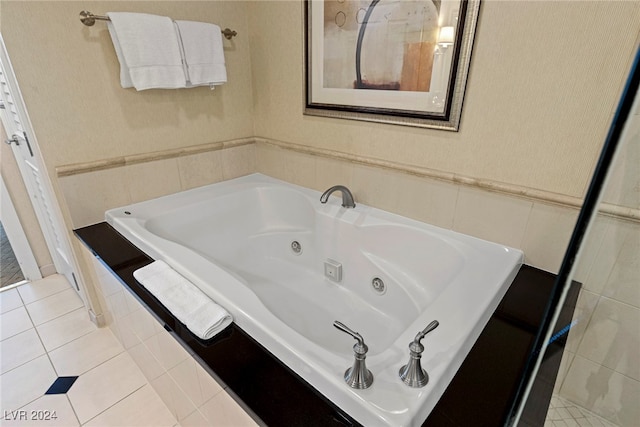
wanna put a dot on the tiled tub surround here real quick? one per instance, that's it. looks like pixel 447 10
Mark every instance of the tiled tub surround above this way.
pixel 273 393
pixel 92 188
pixel 540 224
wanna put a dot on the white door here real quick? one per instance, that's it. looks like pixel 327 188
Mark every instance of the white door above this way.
pixel 17 125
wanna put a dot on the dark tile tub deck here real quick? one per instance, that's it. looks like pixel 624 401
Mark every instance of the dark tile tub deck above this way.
pixel 482 392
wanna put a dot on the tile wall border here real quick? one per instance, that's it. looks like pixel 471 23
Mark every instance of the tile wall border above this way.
pixel 115 162
pixel 608 209
pixel 620 212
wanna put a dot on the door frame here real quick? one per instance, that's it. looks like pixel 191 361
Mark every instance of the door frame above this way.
pixel 51 220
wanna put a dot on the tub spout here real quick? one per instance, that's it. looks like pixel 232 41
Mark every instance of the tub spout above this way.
pixel 347 197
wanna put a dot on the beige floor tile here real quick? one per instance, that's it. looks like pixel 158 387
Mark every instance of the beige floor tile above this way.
pixel 208 385
pixel 85 353
pixel 105 385
pixel 142 408
pixel 9 300
pixel 65 328
pixel 222 410
pixel 13 322
pixel 43 288
pixel 196 419
pixel 19 350
pixel 53 306
pixel 51 410
pixel 26 383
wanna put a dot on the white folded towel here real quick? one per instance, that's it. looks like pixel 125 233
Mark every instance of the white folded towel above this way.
pixel 203 53
pixel 148 49
pixel 183 299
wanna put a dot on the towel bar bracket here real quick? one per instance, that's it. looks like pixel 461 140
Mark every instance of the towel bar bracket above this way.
pixel 89 19
pixel 229 33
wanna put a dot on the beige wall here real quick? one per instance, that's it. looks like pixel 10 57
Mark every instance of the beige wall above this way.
pixel 69 77
pixel 544 79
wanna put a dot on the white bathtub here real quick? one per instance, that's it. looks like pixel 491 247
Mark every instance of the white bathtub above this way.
pixel 233 240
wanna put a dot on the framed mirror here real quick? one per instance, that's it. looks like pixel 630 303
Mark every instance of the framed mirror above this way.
pixel 389 61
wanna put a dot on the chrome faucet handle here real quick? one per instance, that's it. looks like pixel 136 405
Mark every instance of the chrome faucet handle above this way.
pixel 361 346
pixel 357 376
pixel 430 327
pixel 412 373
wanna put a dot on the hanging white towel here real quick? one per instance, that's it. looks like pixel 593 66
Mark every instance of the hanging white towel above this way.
pixel 148 49
pixel 183 299
pixel 203 53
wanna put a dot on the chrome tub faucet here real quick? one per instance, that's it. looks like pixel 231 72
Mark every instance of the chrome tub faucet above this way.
pixel 357 376
pixel 347 197
pixel 412 373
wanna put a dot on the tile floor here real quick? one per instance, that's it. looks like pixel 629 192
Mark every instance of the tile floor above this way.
pixel 45 333
pixel 563 413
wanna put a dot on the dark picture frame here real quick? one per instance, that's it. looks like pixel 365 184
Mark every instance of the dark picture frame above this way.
pixel 403 63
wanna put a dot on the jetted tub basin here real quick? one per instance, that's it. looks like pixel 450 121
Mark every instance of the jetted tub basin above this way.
pixel 259 247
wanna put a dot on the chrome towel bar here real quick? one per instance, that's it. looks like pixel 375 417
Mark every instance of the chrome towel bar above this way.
pixel 89 19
